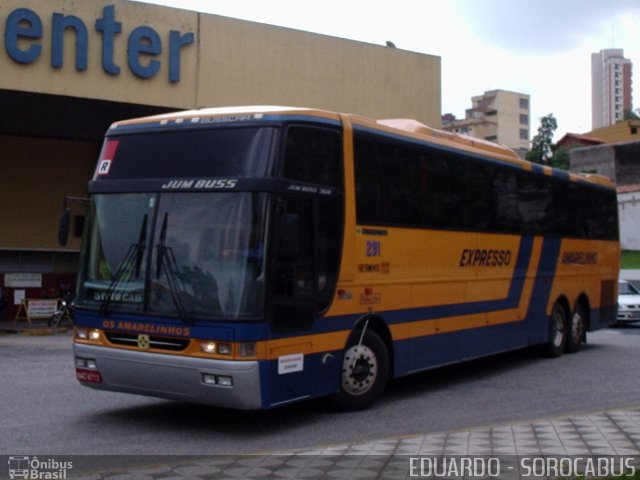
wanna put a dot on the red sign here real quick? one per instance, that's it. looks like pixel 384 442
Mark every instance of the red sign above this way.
pixel 88 376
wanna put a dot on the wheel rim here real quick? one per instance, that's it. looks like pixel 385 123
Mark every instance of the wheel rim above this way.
pixel 577 326
pixel 558 328
pixel 359 370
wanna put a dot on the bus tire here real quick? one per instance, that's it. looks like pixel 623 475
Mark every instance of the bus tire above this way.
pixel 577 330
pixel 557 338
pixel 364 372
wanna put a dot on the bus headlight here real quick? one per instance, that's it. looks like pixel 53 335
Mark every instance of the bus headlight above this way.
pixel 242 350
pixel 88 334
pixel 216 347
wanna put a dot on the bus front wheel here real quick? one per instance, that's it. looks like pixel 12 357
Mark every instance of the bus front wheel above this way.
pixel 557 338
pixel 364 374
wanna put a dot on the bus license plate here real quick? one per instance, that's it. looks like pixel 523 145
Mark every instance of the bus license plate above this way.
pixel 89 376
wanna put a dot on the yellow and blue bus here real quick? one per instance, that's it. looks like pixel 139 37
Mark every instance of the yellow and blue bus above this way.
pixel 258 256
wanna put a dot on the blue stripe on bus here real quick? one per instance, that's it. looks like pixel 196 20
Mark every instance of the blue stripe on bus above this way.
pixel 536 314
pixel 512 300
pixel 537 168
pixel 561 174
pixel 279 389
pixel 446 348
pixel 455 347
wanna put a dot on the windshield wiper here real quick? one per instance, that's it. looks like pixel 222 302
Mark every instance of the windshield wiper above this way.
pixel 129 266
pixel 166 263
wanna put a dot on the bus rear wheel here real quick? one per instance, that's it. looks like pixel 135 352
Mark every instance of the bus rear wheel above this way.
pixel 364 374
pixel 557 338
pixel 577 330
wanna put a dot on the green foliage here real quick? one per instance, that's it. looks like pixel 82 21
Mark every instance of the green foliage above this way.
pixel 541 145
pixel 630 259
pixel 560 158
pixel 534 156
pixel 543 150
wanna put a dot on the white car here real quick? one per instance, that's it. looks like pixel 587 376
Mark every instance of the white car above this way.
pixel 628 302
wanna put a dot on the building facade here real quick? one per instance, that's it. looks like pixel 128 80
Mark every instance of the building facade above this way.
pixel 624 131
pixel 621 163
pixel 611 88
pixel 70 69
pixel 498 116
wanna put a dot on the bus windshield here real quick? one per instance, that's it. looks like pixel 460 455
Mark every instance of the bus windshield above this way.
pixel 175 254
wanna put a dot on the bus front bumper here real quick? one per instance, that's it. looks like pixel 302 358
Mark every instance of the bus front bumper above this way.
pixel 218 383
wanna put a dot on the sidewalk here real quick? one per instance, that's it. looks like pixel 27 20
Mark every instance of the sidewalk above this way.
pixel 36 327
pixel 613 438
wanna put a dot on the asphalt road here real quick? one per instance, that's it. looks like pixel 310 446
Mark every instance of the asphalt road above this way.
pixel 43 410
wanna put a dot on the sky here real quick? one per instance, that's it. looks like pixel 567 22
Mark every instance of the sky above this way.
pixel 538 47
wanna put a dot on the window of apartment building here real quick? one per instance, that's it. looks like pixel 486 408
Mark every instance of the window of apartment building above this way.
pixel 524 103
pixel 491 138
pixel 524 134
pixel 524 119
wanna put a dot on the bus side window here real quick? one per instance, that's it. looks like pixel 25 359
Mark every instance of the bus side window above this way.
pixel 535 203
pixel 505 205
pixel 313 155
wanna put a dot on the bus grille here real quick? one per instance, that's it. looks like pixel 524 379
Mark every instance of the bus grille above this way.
pixel 156 343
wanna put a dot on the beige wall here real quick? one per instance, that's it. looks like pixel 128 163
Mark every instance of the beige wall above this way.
pixel 231 62
pixel 627 131
pixel 243 63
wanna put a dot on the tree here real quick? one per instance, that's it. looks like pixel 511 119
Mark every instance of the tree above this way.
pixel 541 145
pixel 631 115
pixel 560 158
